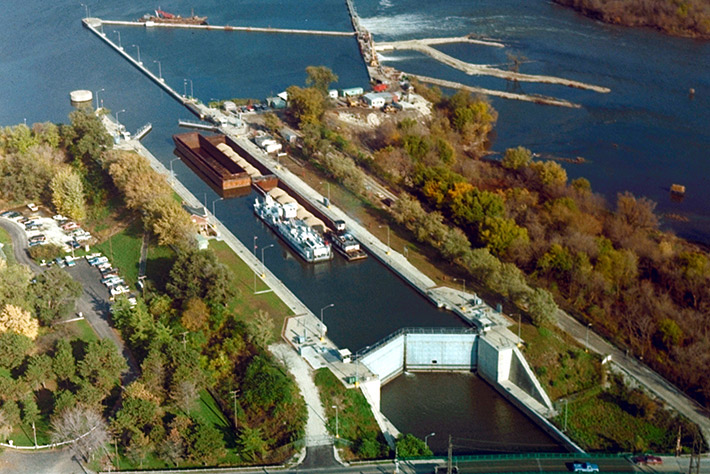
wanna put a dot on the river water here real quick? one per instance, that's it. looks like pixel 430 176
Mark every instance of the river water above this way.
pixel 642 136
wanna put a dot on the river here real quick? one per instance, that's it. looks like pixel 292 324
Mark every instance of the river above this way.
pixel 642 136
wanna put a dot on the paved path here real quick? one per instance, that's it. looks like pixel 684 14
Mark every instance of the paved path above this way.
pixel 60 461
pixel 316 432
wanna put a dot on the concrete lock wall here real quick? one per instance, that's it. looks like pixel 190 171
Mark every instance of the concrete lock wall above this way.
pixel 387 361
pixel 440 351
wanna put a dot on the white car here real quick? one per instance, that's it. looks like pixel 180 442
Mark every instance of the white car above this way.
pixel 32 207
pixel 119 290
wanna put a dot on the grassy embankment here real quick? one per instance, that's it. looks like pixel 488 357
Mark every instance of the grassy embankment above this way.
pixel 6 241
pixel 565 370
pixel 357 427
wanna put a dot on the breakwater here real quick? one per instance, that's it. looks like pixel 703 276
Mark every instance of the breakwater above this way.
pixel 245 29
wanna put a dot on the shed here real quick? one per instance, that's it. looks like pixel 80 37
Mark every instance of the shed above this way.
pixel 230 106
pixel 276 102
pixel 351 92
pixel 374 100
pixel 289 135
pixel 333 93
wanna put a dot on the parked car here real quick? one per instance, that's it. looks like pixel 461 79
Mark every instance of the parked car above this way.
pixel 60 262
pixel 70 226
pixel 70 261
pixel 38 237
pixel 94 262
pixel 647 459
pixel 32 207
pixel 584 467
pixel 119 290
pixel 34 243
pixel 10 214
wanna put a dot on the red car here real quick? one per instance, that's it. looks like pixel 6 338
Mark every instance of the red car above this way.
pixel 647 459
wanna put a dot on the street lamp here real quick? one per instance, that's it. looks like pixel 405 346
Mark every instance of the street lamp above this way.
pixel 213 203
pixel 160 69
pixel 388 237
pixel 255 237
pixel 263 274
pixel 328 185
pixel 119 39
pixel 116 115
pixel 337 432
pixel 184 82
pixel 86 7
pixel 97 97
pixel 172 177
pixel 586 338
pixel 139 52
pixel 463 282
pixel 520 322
pixel 322 326
pixel 426 438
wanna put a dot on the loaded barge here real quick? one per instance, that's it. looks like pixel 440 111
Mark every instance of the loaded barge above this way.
pixel 216 161
pixel 164 17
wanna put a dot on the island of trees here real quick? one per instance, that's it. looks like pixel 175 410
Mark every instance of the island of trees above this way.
pixel 676 17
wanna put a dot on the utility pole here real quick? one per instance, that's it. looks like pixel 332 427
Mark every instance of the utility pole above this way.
pixel 236 420
pixel 566 400
pixel 184 341
pixel 677 444
pixel 694 465
pixel 449 463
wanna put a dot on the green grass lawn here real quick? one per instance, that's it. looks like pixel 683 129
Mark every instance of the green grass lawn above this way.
pixel 83 331
pixel 124 250
pixel 246 303
pixel 355 419
pixel 6 241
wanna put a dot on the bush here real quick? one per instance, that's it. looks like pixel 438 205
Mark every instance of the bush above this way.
pixel 46 252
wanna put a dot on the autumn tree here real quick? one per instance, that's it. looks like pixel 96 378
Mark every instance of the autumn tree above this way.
pixel 516 158
pixel 305 105
pixel 196 315
pixel 170 223
pixel 198 274
pixel 15 319
pixel 25 176
pixel 260 328
pixel 320 78
pixel 68 194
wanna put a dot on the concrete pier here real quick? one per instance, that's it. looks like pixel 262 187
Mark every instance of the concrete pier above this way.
pixel 246 29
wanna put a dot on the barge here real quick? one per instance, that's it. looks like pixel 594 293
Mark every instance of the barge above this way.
pixel 215 161
pixel 294 225
pixel 345 244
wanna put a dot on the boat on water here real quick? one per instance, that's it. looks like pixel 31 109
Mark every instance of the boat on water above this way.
pixel 161 16
pixel 282 217
pixel 345 243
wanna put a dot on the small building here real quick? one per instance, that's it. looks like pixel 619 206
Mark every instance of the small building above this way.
pixel 276 102
pixel 351 92
pixel 381 87
pixel 333 93
pixel 283 95
pixel 288 135
pixel 374 100
pixel 230 106
pixel 268 143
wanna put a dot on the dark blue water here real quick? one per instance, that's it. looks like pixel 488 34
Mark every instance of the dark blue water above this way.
pixel 643 136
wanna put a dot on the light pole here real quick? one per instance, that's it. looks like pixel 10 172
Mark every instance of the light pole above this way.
pixel 337 432
pixel 327 183
pixel 97 97
pixel 213 203
pixel 263 271
pixel 160 69
pixel 463 284
pixel 255 237
pixel 388 237
pixel 184 82
pixel 322 326
pixel 586 338
pixel 520 341
pixel 139 52
pixel 426 439
pixel 119 39
pixel 86 7
pixel 116 115
pixel 172 177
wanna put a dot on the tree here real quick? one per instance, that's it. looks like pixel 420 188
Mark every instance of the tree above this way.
pixel 410 446
pixel 68 194
pixel 516 158
pixel 55 295
pixel 83 426
pixel 30 413
pixel 198 274
pixel 185 394
pixel 170 222
pixel 63 363
pixel 206 444
pixel 25 176
pixel 272 122
pixel 260 328
pixel 251 443
pixel 87 137
pixel 306 106
pixel 320 78
pixel 18 320
pixel 138 448
pixel 542 308
pixel 13 349
pixel 102 365
pixel 39 371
